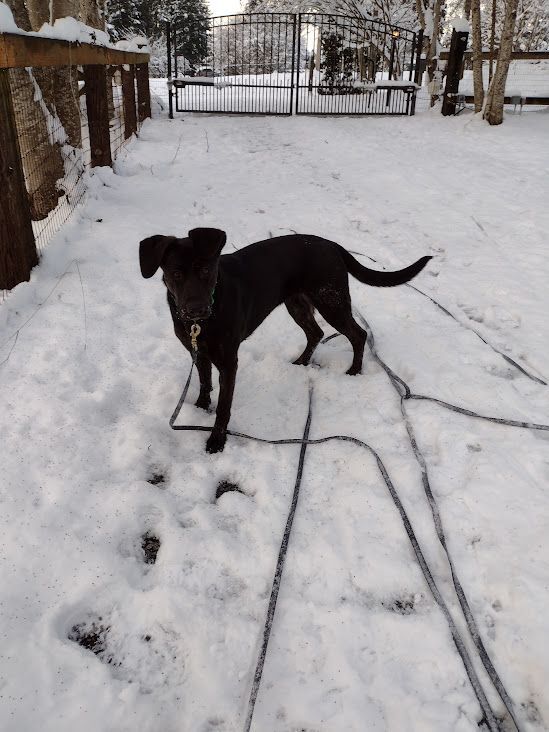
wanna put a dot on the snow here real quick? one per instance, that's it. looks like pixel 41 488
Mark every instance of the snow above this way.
pixel 67 29
pixel 138 43
pixel 7 23
pixel 70 29
pixel 90 465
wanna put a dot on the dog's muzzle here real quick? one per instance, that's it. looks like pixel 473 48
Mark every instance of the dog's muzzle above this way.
pixel 195 315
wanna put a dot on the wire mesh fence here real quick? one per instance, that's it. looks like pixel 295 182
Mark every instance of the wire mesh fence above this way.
pixel 53 154
pixel 526 87
pixel 116 111
pixel 53 135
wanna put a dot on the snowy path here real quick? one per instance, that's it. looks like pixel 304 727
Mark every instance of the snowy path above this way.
pixel 91 466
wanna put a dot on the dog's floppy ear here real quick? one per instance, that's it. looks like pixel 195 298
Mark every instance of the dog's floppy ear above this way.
pixel 208 242
pixel 151 251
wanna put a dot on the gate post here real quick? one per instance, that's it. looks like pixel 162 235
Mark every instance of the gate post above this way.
pixel 454 69
pixel 418 71
pixel 418 67
pixel 17 248
pixel 169 52
pixel 295 63
pixel 143 92
pixel 395 35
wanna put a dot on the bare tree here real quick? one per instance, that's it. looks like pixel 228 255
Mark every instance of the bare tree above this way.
pixel 429 14
pixel 493 111
pixel 478 83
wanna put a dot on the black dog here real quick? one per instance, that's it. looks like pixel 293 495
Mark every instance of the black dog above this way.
pixel 230 296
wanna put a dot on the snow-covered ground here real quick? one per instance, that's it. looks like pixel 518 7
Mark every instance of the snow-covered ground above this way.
pixel 94 481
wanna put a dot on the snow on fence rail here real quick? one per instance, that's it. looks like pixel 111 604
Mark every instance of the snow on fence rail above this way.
pixel 65 107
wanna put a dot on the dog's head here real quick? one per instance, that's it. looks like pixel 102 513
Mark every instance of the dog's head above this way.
pixel 190 268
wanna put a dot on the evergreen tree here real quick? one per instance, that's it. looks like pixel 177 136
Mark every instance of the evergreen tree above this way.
pixel 125 18
pixel 190 20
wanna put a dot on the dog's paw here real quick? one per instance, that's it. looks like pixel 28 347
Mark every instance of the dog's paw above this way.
pixel 216 441
pixel 354 371
pixel 203 402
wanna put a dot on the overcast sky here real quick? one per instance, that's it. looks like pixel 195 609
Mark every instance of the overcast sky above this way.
pixel 224 7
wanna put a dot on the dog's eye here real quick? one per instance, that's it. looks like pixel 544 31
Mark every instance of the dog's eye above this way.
pixel 204 272
pixel 177 275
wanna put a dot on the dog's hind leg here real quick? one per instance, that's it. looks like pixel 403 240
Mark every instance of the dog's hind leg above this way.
pixel 341 318
pixel 204 367
pixel 303 312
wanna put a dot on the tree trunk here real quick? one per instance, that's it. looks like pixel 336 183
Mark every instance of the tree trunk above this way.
pixel 17 248
pixel 493 111
pixel 478 82
pixel 432 65
pixel 429 14
pixel 467 9
pixel 41 157
pixel 492 42
pixel 92 12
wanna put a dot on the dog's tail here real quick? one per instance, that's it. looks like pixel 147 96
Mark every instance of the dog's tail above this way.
pixel 382 279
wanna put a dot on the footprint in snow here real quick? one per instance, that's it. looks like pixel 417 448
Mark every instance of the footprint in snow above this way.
pixel 502 372
pixel 157 477
pixel 150 544
pixel 404 605
pixel 532 712
pixel 151 657
pixel 226 486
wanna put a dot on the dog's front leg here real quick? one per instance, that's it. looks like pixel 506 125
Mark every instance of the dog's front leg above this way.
pixel 204 366
pixel 227 377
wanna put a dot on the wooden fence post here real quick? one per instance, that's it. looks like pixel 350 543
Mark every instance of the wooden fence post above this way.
pixel 143 92
pixel 128 92
pixel 458 44
pixel 17 246
pixel 95 77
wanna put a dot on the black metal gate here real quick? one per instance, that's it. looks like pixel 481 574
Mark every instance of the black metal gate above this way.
pixel 354 66
pixel 286 63
pixel 248 68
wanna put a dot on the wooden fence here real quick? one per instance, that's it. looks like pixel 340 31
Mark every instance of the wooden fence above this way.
pixel 42 158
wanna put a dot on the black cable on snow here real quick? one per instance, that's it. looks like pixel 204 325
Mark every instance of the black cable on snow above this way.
pixel 469 413
pixel 278 572
pixel 182 398
pixel 489 716
pixel 507 358
pixel 404 392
